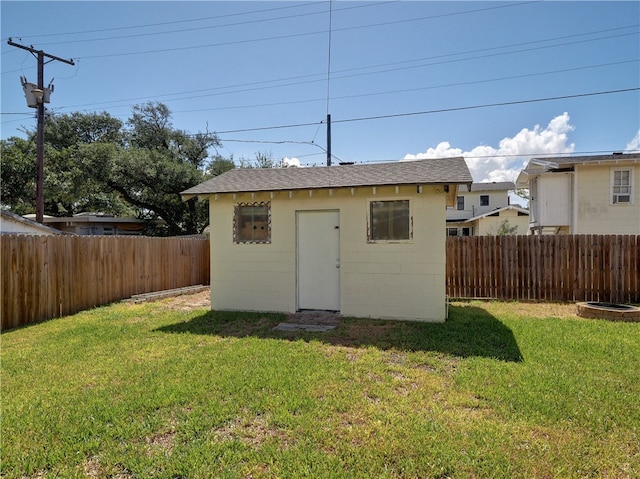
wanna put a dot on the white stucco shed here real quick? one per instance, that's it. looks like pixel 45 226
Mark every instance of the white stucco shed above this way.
pixel 365 240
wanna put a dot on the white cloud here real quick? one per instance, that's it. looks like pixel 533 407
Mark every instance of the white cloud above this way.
pixel 634 145
pixel 504 162
pixel 287 162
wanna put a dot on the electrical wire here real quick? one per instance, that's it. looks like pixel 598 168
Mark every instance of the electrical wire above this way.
pixel 442 110
pixel 255 86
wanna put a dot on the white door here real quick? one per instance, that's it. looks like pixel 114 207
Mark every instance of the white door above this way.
pixel 318 246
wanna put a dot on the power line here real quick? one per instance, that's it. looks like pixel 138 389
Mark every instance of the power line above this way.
pixel 442 110
pixel 147 25
pixel 432 87
pixel 375 4
pixel 279 37
pixel 256 85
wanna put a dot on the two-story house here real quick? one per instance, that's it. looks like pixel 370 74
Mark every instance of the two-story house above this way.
pixel 482 210
pixel 583 195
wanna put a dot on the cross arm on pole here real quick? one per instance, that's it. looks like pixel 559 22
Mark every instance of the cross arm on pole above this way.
pixel 44 54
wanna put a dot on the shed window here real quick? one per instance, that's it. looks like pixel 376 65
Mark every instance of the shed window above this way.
pixel 252 223
pixel 389 220
pixel 621 184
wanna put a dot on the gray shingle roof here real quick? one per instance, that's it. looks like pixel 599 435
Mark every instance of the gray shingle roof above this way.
pixel 573 160
pixel 430 171
pixel 492 186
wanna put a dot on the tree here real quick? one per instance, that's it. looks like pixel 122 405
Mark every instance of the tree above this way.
pixel 158 163
pixel 506 228
pixel 219 165
pixel 263 159
pixel 18 175
pixel 94 162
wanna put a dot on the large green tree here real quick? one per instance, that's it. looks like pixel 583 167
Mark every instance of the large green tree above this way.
pixel 94 162
pixel 18 175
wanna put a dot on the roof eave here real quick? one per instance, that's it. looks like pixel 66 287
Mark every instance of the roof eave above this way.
pixel 188 194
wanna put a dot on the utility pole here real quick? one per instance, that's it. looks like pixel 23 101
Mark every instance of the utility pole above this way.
pixel 328 139
pixel 41 96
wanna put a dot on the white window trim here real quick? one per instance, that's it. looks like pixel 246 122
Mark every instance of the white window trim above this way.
pixel 369 226
pixel 630 169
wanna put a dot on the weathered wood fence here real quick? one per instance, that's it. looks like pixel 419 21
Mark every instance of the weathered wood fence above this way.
pixel 44 277
pixel 49 276
pixel 548 268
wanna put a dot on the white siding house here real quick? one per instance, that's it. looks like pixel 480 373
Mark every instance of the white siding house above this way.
pixel 584 195
pixel 364 240
pixel 475 209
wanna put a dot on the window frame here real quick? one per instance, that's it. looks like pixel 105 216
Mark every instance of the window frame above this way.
pixel 370 206
pixel 484 200
pixel 236 223
pixel 459 203
pixel 613 196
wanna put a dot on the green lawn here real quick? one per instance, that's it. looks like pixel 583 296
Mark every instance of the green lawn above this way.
pixel 501 390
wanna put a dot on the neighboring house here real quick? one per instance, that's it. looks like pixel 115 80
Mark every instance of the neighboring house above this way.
pixel 364 240
pixel 13 223
pixel 511 217
pixel 474 202
pixel 583 195
pixel 95 224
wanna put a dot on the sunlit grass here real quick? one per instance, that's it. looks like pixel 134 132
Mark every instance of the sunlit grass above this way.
pixel 500 390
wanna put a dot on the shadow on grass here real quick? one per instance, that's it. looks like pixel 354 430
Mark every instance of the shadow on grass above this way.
pixel 469 331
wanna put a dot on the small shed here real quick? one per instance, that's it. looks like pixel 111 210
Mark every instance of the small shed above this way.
pixel 365 240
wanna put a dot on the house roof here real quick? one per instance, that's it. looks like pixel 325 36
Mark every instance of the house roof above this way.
pixel 497 210
pixel 28 225
pixel 429 171
pixel 538 166
pixel 565 161
pixel 492 186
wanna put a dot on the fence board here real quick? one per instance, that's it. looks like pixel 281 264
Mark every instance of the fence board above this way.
pixel 554 268
pixel 49 276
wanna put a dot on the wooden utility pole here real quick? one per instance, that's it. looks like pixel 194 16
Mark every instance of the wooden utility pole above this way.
pixel 40 55
pixel 328 140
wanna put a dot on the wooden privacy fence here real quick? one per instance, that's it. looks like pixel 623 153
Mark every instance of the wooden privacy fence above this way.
pixel 553 268
pixel 48 276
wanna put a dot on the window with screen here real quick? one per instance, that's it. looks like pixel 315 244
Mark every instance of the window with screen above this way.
pixel 621 184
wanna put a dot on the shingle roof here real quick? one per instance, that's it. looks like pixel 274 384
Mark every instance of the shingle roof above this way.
pixel 517 208
pixel 573 160
pixel 430 171
pixel 493 186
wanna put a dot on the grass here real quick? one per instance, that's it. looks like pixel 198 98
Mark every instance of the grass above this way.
pixel 501 390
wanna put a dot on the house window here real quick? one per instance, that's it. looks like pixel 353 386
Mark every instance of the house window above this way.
pixel 460 202
pixel 484 200
pixel 466 231
pixel 252 223
pixel 621 184
pixel 452 231
pixel 389 220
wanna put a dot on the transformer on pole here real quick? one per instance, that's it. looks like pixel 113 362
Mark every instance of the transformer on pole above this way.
pixel 37 96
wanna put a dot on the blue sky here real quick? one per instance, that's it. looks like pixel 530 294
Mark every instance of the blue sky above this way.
pixel 497 82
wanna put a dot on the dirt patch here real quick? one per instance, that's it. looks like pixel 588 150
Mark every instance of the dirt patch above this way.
pixel 188 302
pixel 252 431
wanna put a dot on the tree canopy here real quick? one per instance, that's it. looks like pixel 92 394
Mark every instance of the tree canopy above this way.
pixel 96 163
